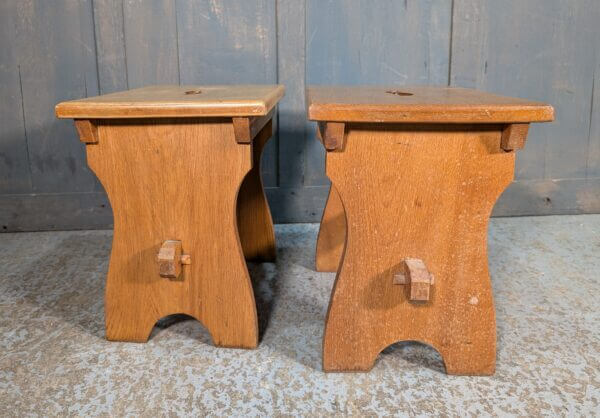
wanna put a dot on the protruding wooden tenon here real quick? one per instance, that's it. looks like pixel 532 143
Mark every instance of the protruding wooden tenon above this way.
pixel 416 275
pixel 170 259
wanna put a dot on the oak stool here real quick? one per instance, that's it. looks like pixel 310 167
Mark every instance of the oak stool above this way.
pixel 181 167
pixel 415 174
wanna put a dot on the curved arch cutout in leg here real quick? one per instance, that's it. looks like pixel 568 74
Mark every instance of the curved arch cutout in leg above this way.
pixel 199 331
pixel 415 352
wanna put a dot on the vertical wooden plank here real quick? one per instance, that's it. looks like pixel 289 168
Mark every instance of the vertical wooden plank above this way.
pixel 87 41
pixel 150 42
pixel 56 55
pixel 395 42
pixel 110 45
pixel 468 62
pixel 593 162
pixel 531 49
pixel 226 42
pixel 230 42
pixel 14 160
pixel 292 108
pixel 358 42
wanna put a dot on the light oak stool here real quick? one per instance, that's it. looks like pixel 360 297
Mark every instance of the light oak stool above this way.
pixel 415 174
pixel 181 167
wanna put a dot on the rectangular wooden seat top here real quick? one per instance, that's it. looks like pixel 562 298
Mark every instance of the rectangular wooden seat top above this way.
pixel 420 104
pixel 176 101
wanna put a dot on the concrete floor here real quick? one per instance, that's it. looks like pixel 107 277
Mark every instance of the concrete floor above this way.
pixel 55 361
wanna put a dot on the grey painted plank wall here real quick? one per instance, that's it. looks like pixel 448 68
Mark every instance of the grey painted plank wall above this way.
pixel 52 51
pixel 544 50
pixel 15 176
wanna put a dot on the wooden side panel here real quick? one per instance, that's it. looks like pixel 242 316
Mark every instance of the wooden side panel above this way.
pixel 151 42
pixel 192 200
pixel 530 49
pixel 14 159
pixel 230 42
pixel 356 42
pixel 57 62
pixel 405 199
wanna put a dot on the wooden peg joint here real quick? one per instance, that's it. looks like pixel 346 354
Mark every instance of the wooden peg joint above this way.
pixel 331 134
pixel 415 274
pixel 170 259
pixel 246 128
pixel 514 136
pixel 88 131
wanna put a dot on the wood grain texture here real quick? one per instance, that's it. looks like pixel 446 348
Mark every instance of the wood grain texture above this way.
pixel 331 134
pixel 246 128
pixel 420 104
pixel 169 259
pixel 87 130
pixel 179 101
pixel 514 136
pixel 255 225
pixel 332 234
pixel 403 198
pixel 150 207
pixel 414 274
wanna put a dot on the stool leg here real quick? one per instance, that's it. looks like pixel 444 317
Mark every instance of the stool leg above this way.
pixel 425 193
pixel 175 179
pixel 255 224
pixel 332 234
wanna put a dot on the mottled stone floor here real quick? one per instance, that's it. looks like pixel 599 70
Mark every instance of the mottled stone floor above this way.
pixel 55 361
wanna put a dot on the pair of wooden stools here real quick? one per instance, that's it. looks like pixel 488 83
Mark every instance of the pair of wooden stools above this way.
pixel 415 173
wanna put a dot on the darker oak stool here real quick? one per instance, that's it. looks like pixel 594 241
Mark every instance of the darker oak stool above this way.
pixel 180 166
pixel 415 174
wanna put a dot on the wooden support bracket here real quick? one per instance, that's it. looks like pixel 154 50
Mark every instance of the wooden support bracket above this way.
pixel 247 128
pixel 416 275
pixel 170 259
pixel 331 134
pixel 88 131
pixel 514 136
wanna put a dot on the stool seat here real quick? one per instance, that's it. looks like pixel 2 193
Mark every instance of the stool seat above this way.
pixel 420 104
pixel 415 173
pixel 175 101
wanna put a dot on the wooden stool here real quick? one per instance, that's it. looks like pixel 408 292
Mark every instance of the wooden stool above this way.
pixel 415 174
pixel 180 166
